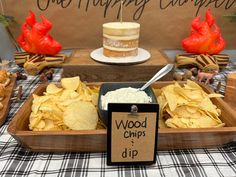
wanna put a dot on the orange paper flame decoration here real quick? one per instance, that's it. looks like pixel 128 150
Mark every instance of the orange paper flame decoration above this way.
pixel 205 37
pixel 34 37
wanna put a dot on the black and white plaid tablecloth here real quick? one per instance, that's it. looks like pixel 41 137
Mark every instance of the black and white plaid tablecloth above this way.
pixel 17 161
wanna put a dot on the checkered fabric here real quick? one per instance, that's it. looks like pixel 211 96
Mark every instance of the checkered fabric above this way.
pixel 17 161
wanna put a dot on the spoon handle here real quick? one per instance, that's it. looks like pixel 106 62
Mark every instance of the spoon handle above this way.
pixel 158 75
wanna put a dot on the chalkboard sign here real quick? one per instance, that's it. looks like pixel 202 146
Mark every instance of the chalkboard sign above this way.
pixel 164 23
pixel 132 134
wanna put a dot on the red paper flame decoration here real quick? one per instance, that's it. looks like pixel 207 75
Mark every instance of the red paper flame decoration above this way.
pixel 34 37
pixel 205 37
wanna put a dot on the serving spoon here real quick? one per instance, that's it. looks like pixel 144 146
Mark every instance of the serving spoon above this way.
pixel 158 75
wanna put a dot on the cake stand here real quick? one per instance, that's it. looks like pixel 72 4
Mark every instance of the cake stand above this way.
pixel 143 55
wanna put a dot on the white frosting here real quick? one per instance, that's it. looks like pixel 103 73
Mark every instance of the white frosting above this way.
pixel 121 25
pixel 119 49
pixel 124 38
pixel 124 95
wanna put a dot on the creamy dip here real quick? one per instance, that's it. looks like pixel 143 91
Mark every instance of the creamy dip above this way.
pixel 124 95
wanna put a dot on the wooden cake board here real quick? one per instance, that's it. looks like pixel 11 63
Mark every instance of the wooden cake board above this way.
pixel 80 64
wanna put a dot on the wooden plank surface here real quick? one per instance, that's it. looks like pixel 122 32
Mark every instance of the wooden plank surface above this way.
pixel 80 63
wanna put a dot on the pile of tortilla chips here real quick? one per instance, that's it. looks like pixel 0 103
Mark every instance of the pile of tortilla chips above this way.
pixel 188 106
pixel 71 106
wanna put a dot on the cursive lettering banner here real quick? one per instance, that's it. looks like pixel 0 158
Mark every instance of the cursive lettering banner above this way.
pixel 164 23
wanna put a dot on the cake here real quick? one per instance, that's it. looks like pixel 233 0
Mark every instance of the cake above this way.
pixel 120 39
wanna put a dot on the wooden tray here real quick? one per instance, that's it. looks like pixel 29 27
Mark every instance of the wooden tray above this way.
pixel 95 140
pixel 230 90
pixel 6 101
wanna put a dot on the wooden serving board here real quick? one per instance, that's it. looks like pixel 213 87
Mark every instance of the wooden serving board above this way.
pixel 95 140
pixel 7 100
pixel 80 64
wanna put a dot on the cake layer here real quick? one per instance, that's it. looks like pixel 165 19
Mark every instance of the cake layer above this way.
pixel 123 38
pixel 118 48
pixel 112 53
pixel 120 43
pixel 121 25
pixel 121 28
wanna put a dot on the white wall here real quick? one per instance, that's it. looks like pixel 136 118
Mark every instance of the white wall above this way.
pixel 6 47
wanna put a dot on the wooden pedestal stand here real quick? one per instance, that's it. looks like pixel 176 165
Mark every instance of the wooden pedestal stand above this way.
pixel 80 64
